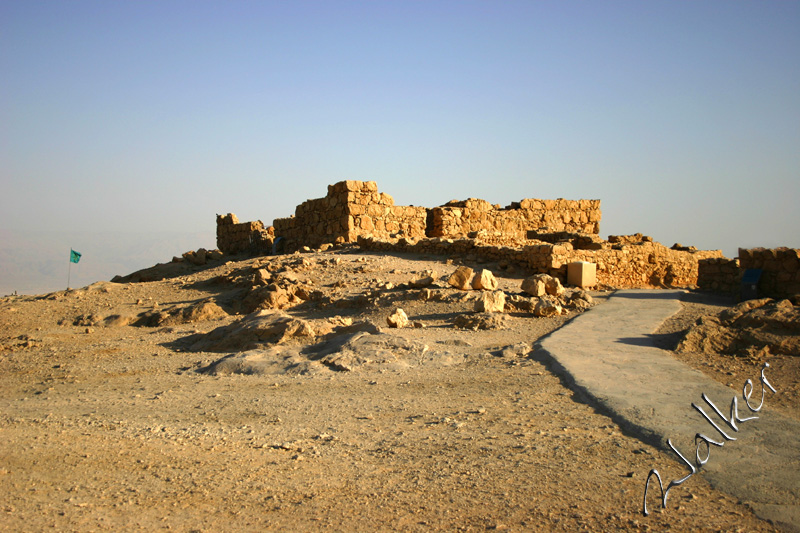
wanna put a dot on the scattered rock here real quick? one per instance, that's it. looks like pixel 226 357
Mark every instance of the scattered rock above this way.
pixel 541 284
pixel 534 285
pixel 427 279
pixel 491 302
pixel 484 281
pixel 398 319
pixel 516 351
pixel 580 300
pixel 481 321
pixel 547 306
pixel 460 279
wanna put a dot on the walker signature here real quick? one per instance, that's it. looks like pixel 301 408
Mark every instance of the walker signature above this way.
pixel 703 441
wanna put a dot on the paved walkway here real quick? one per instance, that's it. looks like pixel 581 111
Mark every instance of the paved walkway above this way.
pixel 609 355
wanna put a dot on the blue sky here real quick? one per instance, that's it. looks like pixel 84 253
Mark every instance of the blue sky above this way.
pixel 134 118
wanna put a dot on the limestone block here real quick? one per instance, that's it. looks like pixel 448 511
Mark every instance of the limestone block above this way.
pixel 491 302
pixel 353 186
pixel 484 280
pixel 460 279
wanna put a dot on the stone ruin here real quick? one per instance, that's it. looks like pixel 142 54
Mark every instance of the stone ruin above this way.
pixel 538 236
pixel 354 209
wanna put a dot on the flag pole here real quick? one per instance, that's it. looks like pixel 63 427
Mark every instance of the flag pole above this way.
pixel 69 272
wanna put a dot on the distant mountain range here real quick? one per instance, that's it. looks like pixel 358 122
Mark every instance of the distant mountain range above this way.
pixel 37 262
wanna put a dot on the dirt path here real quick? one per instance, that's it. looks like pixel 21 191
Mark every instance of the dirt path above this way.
pixel 115 429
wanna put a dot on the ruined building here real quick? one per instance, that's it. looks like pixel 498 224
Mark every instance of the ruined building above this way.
pixel 540 236
pixel 354 209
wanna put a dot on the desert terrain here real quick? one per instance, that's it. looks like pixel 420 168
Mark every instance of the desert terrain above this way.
pixel 270 393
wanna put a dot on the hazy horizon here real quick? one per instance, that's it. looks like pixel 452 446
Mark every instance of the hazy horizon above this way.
pixel 141 121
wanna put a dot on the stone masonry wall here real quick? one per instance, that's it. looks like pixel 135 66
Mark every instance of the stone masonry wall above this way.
pixel 351 208
pixel 641 264
pixel 720 274
pixel 234 237
pixel 460 219
pixel 780 266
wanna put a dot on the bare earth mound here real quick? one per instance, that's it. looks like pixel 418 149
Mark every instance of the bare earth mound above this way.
pixel 273 394
pixel 731 342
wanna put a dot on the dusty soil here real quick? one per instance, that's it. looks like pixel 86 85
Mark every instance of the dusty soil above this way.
pixel 107 425
pixel 733 367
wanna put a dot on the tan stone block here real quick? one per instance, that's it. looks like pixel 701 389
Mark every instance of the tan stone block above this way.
pixel 491 302
pixel 484 280
pixel 460 279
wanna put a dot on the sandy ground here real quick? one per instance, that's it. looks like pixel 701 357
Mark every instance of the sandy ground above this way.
pixel 111 427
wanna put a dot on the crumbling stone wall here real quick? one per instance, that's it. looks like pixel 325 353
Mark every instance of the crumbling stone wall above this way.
pixel 780 269
pixel 631 264
pixel 356 208
pixel 351 208
pixel 461 219
pixel 234 237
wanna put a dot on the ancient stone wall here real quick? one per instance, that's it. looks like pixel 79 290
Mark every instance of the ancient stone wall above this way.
pixel 720 274
pixel 461 219
pixel 351 208
pixel 780 269
pixel 634 264
pixel 356 208
pixel 234 237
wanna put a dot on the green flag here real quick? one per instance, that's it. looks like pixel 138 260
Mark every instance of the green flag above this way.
pixel 74 256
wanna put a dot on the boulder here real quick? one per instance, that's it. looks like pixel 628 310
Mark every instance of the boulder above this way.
pixel 541 284
pixel 547 306
pixel 553 286
pixel 398 319
pixel 491 302
pixel 534 285
pixel 484 281
pixel 460 279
